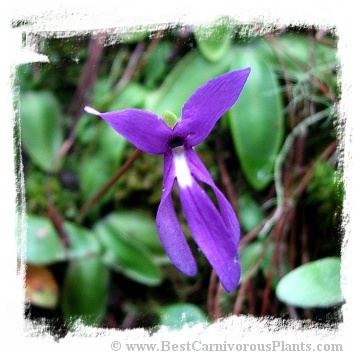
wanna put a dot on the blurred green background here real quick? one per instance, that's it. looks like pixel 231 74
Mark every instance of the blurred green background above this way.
pixel 95 255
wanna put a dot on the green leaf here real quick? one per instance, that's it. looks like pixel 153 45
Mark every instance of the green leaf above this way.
pixel 43 245
pixel 83 242
pixel 110 145
pixel 104 99
pixel 256 120
pixel 126 256
pixel 139 228
pixel 85 131
pixel 214 41
pixel 134 36
pixel 312 285
pixel 132 96
pixel 189 74
pixel 85 290
pixel 296 51
pixel 102 92
pixel 41 130
pixel 250 213
pixel 157 65
pixel 248 255
pixel 100 161
pixel 176 316
pixel 93 175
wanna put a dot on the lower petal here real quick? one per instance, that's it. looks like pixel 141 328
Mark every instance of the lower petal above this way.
pixel 211 234
pixel 227 212
pixel 169 229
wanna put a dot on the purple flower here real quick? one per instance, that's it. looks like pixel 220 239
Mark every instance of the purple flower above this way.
pixel 216 232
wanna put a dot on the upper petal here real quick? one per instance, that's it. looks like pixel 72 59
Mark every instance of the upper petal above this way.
pixel 168 226
pixel 211 234
pixel 208 103
pixel 147 131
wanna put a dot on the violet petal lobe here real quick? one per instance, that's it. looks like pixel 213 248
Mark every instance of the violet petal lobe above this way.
pixel 211 234
pixel 227 212
pixel 168 226
pixel 147 131
pixel 208 103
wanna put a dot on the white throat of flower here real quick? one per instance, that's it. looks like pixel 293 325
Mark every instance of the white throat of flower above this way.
pixel 182 171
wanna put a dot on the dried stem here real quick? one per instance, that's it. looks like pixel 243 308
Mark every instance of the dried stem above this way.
pixel 130 69
pixel 242 289
pixel 227 181
pixel 288 82
pixel 251 297
pixel 306 69
pixel 108 185
pixel 274 262
pixel 150 49
pixel 210 296
pixel 88 78
pixel 292 250
pixel 252 234
pixel 135 65
pixel 304 241
pixel 217 300
pixel 57 221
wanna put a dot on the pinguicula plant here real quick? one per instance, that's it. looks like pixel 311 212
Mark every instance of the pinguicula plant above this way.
pixel 216 232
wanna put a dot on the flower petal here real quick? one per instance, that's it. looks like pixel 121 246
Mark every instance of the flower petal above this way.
pixel 169 229
pixel 208 103
pixel 147 131
pixel 200 172
pixel 211 234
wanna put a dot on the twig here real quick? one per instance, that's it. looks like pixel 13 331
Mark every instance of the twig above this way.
pixel 304 241
pixel 241 294
pixel 130 69
pixel 317 81
pixel 269 37
pixel 210 295
pixel 57 221
pixel 217 300
pixel 251 298
pixel 320 37
pixel 281 158
pixel 134 66
pixel 274 262
pixel 89 76
pixel 293 239
pixel 150 49
pixel 293 312
pixel 252 234
pixel 108 185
